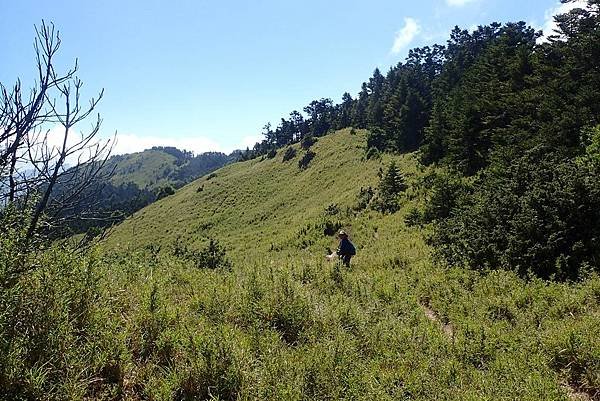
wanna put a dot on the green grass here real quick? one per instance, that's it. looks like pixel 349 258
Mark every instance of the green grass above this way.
pixel 283 323
pixel 261 204
pixel 154 168
pixel 147 169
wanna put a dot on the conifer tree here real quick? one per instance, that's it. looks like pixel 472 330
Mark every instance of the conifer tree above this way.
pixel 391 185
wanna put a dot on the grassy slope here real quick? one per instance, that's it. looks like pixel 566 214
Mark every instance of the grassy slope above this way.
pixel 147 169
pixel 258 203
pixel 284 324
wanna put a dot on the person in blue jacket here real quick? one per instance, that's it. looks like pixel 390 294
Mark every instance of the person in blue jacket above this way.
pixel 345 249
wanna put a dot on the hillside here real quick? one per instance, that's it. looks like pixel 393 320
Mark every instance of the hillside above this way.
pixel 131 181
pixel 258 203
pixel 145 169
pixel 163 165
pixel 285 324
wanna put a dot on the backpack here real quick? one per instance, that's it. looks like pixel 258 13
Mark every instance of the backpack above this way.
pixel 352 249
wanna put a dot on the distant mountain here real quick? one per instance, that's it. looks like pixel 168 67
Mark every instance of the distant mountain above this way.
pixel 161 166
pixel 137 180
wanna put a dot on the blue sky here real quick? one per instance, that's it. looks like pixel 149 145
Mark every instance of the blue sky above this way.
pixel 207 75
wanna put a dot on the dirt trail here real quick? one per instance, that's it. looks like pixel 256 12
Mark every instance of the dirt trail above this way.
pixel 447 328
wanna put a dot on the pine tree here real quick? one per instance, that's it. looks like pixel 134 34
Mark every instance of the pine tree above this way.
pixel 359 115
pixel 375 103
pixel 391 185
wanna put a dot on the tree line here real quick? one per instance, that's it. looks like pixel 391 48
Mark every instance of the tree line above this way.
pixel 513 117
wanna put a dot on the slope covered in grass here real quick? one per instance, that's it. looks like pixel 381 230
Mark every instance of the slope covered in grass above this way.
pixel 145 319
pixel 159 166
pixel 260 204
pixel 126 183
pixel 285 324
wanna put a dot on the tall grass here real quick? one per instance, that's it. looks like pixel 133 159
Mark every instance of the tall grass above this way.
pixel 139 319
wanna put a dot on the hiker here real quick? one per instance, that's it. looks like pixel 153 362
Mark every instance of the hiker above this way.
pixel 345 250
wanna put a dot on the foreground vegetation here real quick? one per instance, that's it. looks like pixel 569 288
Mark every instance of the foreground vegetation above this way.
pixel 477 268
pixel 148 320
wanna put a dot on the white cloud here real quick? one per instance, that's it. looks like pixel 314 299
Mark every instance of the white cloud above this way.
pixel 250 140
pixel 458 3
pixel 550 26
pixel 130 143
pixel 405 35
pixel 47 143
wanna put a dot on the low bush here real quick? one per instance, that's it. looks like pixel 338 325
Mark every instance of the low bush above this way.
pixel 332 210
pixel 305 160
pixel 577 356
pixel 164 191
pixel 372 153
pixel 307 142
pixel 364 197
pixel 330 227
pixel 414 217
pixel 289 154
pixel 212 256
pixel 213 371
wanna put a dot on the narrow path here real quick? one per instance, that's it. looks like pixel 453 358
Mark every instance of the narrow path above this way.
pixel 447 328
pixel 448 331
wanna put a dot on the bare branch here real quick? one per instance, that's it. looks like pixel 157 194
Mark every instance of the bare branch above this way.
pixel 32 164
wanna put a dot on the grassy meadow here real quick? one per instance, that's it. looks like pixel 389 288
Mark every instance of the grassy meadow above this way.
pixel 138 319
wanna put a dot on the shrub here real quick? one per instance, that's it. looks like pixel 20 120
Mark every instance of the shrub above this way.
pixel 591 139
pixel 331 227
pixel 307 142
pixel 180 248
pixel 305 160
pixel 289 154
pixel 372 153
pixel 164 191
pixel 414 217
pixel 364 197
pixel 213 371
pixel 288 312
pixel 148 327
pixel 577 357
pixel 332 210
pixel 271 153
pixel 213 257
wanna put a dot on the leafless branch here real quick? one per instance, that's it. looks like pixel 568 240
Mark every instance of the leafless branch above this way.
pixel 33 163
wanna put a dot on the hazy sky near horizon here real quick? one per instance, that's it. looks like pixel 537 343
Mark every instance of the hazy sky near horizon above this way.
pixel 207 75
